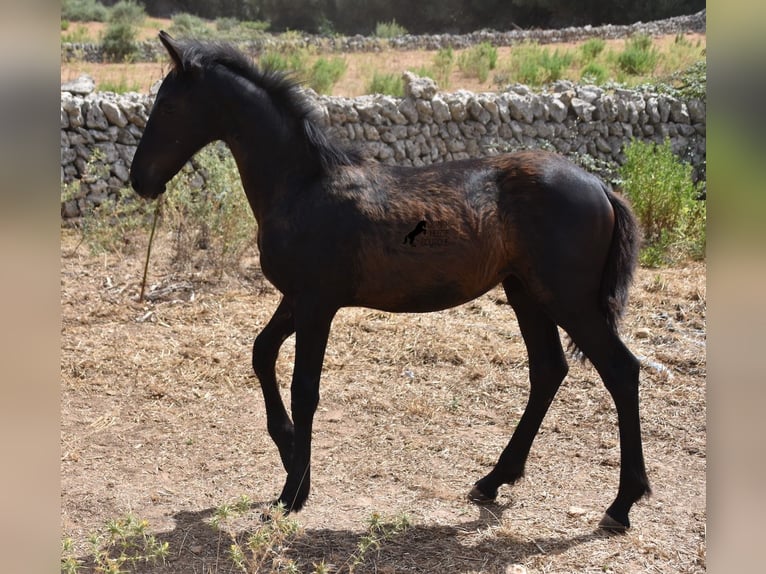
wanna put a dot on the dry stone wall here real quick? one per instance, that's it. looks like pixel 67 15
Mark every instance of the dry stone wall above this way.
pixel 152 51
pixel 100 131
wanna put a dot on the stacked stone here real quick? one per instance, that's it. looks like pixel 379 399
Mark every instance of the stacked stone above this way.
pixel 99 135
pixel 151 50
pixel 428 126
pixel 100 131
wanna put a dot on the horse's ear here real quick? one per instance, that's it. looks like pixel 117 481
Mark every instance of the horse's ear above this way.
pixel 172 48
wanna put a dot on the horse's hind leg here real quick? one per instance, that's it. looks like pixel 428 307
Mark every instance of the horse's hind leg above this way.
pixel 265 351
pixel 619 370
pixel 547 369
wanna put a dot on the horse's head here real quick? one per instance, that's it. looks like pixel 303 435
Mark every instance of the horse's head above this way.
pixel 179 125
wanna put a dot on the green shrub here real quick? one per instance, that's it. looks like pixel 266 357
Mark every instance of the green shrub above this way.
pixel 84 11
pixel 478 60
pixel 389 29
pixel 665 202
pixel 639 55
pixel 184 25
pixel 119 41
pixel 325 73
pixel 128 12
pixel 388 84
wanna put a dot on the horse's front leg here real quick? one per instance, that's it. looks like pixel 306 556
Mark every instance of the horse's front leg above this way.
pixel 312 328
pixel 265 351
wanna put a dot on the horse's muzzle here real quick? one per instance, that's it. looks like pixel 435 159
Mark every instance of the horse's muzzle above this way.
pixel 147 191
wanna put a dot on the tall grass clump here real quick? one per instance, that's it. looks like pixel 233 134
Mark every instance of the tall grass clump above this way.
pixel 211 222
pixel 387 84
pixel 478 61
pixel 639 57
pixel 664 199
pixel 390 29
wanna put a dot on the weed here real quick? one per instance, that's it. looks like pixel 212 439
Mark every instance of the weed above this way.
pixel 378 531
pixel 111 223
pixel 665 202
pixel 125 543
pixel 389 84
pixel 477 61
pixel 208 213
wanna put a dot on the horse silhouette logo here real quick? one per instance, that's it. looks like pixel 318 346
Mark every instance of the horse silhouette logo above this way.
pixel 419 228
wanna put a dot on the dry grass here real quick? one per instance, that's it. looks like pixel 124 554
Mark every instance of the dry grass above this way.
pixel 354 82
pixel 162 416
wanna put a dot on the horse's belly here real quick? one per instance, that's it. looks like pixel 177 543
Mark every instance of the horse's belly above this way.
pixel 424 281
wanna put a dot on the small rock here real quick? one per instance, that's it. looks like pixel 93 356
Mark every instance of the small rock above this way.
pixel 515 569
pixel 642 333
pixel 82 86
pixel 576 511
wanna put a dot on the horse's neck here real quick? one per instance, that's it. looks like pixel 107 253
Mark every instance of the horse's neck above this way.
pixel 265 153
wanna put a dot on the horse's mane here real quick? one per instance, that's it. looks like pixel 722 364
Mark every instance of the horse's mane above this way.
pixel 285 92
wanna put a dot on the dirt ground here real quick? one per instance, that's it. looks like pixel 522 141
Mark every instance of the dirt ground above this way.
pixel 162 417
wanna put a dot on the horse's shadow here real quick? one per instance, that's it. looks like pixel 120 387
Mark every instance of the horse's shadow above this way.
pixel 195 545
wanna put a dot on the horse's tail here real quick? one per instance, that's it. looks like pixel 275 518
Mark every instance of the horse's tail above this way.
pixel 621 261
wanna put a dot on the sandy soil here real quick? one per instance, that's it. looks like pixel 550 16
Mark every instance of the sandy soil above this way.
pixel 163 418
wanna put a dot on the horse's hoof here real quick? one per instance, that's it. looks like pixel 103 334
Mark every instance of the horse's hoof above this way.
pixel 612 525
pixel 478 497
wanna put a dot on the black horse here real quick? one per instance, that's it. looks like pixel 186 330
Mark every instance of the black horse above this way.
pixel 330 228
